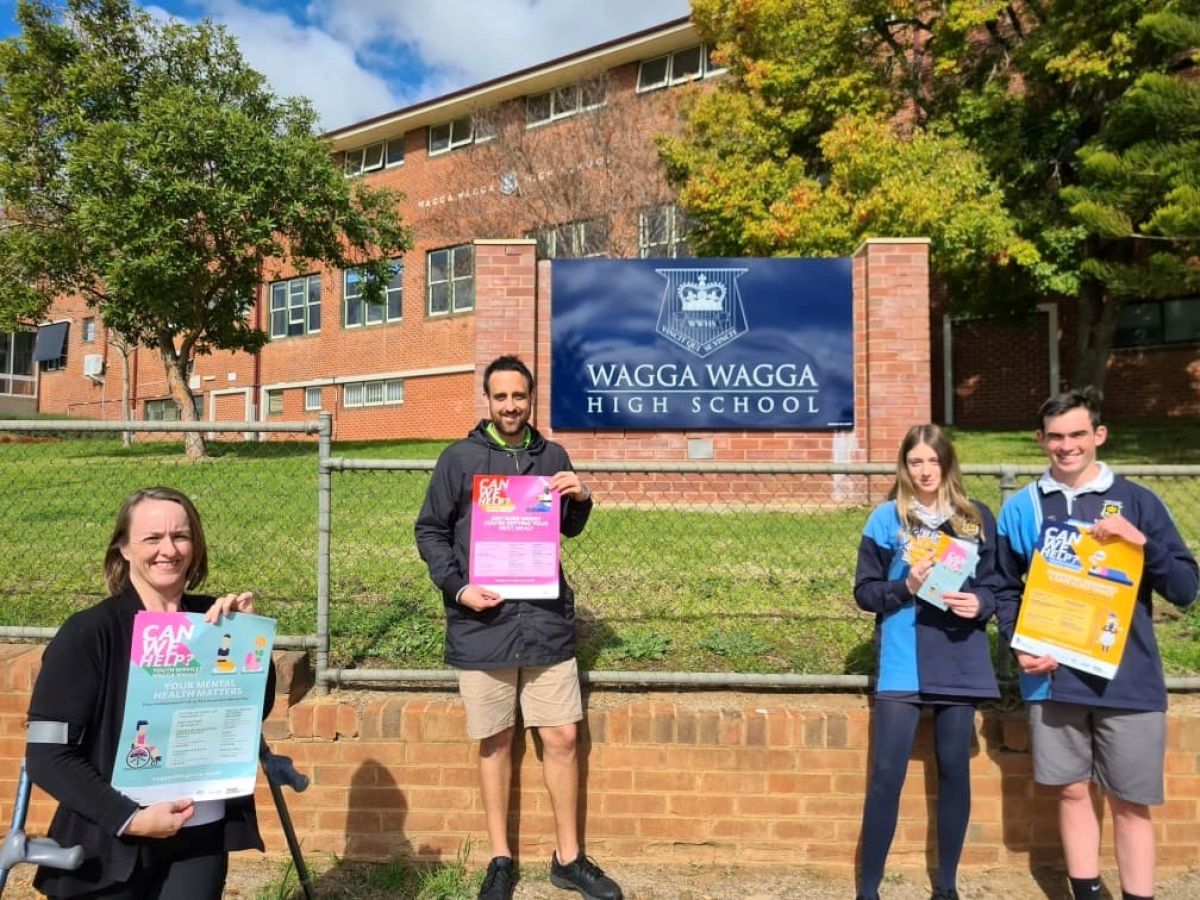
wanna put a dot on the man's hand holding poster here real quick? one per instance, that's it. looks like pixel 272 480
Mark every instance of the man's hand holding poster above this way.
pixel 515 536
pixel 1079 598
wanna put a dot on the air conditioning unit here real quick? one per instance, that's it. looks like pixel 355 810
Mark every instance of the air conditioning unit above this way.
pixel 93 365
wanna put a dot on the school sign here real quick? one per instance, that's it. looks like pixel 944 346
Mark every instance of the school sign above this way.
pixel 702 344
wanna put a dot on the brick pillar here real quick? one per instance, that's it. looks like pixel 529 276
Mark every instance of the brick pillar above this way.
pixel 505 307
pixel 891 302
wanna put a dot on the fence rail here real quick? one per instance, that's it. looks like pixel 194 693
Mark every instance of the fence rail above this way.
pixel 687 572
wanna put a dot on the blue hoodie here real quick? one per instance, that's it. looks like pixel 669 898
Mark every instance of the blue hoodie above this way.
pixel 921 648
pixel 1169 569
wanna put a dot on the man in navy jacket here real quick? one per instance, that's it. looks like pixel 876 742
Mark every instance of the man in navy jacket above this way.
pixel 1085 728
pixel 514 651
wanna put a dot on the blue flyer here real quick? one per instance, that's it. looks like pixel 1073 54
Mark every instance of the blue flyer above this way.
pixel 193 707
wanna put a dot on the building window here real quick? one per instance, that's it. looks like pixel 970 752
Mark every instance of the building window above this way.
pixel 373 157
pixel 50 346
pixel 373 393
pixel 1159 323
pixel 358 312
pixel 662 232
pixel 450 135
pixel 275 402
pixel 574 240
pixel 312 398
pixel 450 275
pixel 166 409
pixel 16 364
pixel 486 126
pixel 679 67
pixel 88 331
pixel 563 102
pixel 296 306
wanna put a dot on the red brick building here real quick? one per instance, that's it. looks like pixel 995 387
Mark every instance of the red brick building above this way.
pixel 561 153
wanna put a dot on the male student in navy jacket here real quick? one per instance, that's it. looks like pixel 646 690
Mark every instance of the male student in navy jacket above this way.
pixel 1085 728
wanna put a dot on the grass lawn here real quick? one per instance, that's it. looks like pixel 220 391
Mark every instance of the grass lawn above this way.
pixel 669 588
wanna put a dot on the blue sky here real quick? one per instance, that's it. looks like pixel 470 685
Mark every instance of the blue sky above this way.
pixel 359 58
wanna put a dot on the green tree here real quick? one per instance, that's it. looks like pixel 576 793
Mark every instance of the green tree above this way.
pixel 1137 193
pixel 826 132
pixel 1035 143
pixel 146 167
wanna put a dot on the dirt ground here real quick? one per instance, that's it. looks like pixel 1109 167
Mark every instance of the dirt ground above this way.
pixel 250 875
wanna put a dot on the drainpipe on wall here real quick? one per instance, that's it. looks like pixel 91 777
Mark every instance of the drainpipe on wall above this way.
pixel 256 392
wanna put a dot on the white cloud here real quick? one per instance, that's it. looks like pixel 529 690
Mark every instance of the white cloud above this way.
pixel 461 42
pixel 304 61
pixel 357 59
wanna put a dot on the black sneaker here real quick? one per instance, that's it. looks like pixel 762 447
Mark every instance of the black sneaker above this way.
pixel 943 893
pixel 584 876
pixel 499 881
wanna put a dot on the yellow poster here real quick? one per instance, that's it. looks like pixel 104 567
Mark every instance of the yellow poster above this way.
pixel 1079 598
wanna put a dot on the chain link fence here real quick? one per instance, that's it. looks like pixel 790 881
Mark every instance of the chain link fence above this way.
pixel 688 568
pixel 62 482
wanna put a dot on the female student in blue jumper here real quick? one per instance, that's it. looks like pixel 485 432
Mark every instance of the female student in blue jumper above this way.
pixel 927 657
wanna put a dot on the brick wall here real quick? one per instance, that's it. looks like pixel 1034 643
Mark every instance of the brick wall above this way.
pixel 768 779
pixel 994 384
pixel 1001 372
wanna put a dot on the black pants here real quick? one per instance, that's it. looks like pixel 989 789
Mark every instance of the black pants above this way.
pixel 187 866
pixel 895 730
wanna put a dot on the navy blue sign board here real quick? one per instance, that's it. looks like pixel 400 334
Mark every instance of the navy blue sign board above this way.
pixel 702 344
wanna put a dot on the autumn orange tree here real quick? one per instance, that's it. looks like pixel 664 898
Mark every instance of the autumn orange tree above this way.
pixel 999 130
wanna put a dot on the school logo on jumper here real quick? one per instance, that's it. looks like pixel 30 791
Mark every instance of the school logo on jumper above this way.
pixel 701 309
pixel 1111 508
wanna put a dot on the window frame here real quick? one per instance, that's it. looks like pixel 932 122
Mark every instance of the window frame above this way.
pixel 705 69
pixel 384 161
pixel 452 143
pixel 385 305
pixel 87 330
pixel 295 313
pixel 272 407
pixel 451 281
pixel 577 232
pixel 363 388
pixel 675 225
pixel 557 112
pixel 309 406
pixel 1162 336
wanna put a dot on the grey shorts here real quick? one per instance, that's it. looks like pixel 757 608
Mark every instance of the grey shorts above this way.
pixel 1121 750
pixel 549 696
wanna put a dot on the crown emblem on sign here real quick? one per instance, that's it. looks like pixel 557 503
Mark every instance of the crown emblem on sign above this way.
pixel 701 295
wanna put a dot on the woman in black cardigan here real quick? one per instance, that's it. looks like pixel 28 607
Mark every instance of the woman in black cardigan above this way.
pixel 174 850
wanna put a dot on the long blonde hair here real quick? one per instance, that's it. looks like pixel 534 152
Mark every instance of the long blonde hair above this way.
pixel 964 517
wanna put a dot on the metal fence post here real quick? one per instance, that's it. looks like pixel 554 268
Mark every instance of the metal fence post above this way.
pixel 324 516
pixel 1008 482
pixel 1008 486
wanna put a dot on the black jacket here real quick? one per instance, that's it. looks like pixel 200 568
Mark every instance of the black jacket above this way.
pixel 517 632
pixel 82 682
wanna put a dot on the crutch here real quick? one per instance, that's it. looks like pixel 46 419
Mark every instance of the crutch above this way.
pixel 280 771
pixel 17 848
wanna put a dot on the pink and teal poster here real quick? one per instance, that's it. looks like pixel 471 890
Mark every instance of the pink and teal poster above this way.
pixel 193 706
pixel 515 536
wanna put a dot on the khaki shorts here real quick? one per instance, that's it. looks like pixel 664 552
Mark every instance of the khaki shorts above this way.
pixel 549 696
pixel 1120 750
